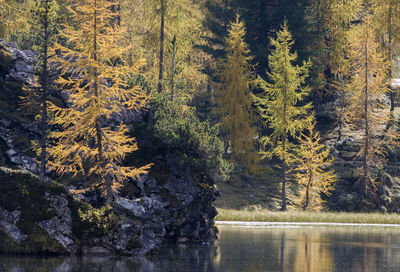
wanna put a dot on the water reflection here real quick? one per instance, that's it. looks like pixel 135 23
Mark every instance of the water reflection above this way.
pixel 249 250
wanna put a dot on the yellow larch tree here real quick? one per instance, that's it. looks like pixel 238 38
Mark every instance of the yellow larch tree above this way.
pixel 282 103
pixel 367 86
pixel 386 19
pixel 314 169
pixel 96 91
pixel 233 97
pixel 340 15
pixel 152 26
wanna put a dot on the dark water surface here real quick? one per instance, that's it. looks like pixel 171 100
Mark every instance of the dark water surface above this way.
pixel 250 249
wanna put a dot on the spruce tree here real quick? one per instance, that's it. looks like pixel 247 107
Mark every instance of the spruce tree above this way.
pixel 314 169
pixel 233 97
pixel 282 103
pixel 44 21
pixel 96 91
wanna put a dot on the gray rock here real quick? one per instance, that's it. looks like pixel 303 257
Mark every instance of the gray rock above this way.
pixel 8 224
pixel 59 227
pixel 133 207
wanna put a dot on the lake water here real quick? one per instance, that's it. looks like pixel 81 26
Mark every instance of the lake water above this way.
pixel 250 249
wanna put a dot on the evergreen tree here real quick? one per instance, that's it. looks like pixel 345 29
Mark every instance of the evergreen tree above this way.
pixel 312 171
pixel 233 96
pixel 282 103
pixel 96 91
pixel 367 85
pixel 43 29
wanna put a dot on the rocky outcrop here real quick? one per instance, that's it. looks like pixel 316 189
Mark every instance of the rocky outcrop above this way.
pixel 46 218
pixel 16 126
pixel 37 218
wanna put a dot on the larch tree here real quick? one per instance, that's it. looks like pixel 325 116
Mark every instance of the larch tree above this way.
pixel 233 96
pixel 314 169
pixel 43 28
pixel 96 90
pixel 340 15
pixel 282 103
pixel 386 19
pixel 368 84
pixel 14 16
pixel 152 25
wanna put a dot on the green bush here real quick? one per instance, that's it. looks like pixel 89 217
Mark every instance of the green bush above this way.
pixel 99 221
pixel 194 144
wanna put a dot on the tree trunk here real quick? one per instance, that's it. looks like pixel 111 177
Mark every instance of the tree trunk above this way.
pixel 390 53
pixel 44 83
pixel 283 196
pixel 160 72
pixel 284 141
pixel 173 67
pixel 365 163
pixel 307 202
pixel 100 150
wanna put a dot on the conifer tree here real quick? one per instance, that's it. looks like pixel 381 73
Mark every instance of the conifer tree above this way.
pixel 312 171
pixel 386 19
pixel 152 24
pixel 43 29
pixel 340 15
pixel 233 96
pixel 368 84
pixel 96 91
pixel 282 103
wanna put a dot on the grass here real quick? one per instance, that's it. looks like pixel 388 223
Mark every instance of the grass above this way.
pixel 261 215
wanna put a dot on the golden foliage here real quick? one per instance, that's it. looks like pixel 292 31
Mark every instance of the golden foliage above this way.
pixel 233 96
pixel 96 91
pixel 280 104
pixel 312 171
pixel 14 16
pixel 367 87
pixel 183 19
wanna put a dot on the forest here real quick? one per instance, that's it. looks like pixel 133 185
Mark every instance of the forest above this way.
pixel 281 105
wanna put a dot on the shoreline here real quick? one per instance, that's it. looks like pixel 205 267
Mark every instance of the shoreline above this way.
pixel 299 224
pixel 265 217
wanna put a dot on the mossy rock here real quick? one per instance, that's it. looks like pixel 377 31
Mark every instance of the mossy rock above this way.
pixel 20 190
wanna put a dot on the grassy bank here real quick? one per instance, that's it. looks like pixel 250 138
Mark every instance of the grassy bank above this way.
pixel 300 216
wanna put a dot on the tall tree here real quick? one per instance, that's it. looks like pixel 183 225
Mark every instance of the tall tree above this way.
pixel 43 28
pixel 314 169
pixel 233 95
pixel 96 91
pixel 282 103
pixel 386 19
pixel 340 15
pixel 152 24
pixel 162 38
pixel 368 84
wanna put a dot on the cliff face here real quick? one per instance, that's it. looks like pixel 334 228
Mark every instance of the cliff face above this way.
pixel 168 204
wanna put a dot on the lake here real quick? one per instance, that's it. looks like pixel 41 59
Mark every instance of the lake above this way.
pixel 249 249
